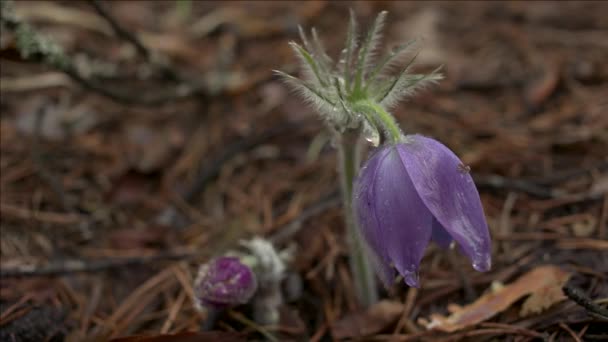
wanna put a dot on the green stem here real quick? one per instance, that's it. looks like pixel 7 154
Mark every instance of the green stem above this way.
pixel 376 114
pixel 363 274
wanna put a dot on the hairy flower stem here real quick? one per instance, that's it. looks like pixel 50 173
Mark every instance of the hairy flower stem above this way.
pixel 378 115
pixel 363 274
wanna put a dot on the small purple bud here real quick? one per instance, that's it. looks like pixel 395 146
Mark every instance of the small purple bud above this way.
pixel 224 282
pixel 411 193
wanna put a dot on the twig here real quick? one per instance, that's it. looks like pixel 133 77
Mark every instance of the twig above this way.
pixel 465 281
pixel 569 331
pixel 524 331
pixel 38 160
pixel 165 96
pixel 213 167
pixel 578 296
pixel 33 47
pixel 131 38
pixel 213 315
pixel 62 267
pixel 285 232
pixel 119 30
pixel 412 294
pixel 210 169
pixel 500 182
pixel 569 174
pixel 249 323
pixel 480 332
pixel 21 213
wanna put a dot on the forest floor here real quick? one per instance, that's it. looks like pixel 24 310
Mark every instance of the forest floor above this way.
pixel 124 170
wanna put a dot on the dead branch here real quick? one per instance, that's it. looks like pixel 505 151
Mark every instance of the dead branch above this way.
pixel 123 33
pixel 119 30
pixel 286 232
pixel 212 168
pixel 578 296
pixel 500 182
pixel 63 267
pixel 36 48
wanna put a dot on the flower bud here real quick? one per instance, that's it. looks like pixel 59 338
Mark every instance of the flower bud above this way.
pixel 224 282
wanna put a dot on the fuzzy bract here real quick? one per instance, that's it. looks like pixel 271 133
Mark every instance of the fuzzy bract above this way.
pixel 410 193
pixel 360 74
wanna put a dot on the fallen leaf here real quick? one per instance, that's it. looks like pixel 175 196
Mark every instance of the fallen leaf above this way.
pixel 373 320
pixel 425 24
pixel 585 227
pixel 544 283
pixel 129 188
pixel 540 89
pixel 48 12
pixel 55 121
pixel 272 95
pixel 149 148
pixel 172 45
pixel 34 82
pixel 291 321
pixel 599 186
pixel 544 297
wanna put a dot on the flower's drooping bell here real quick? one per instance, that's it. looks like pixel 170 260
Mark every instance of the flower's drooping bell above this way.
pixel 410 193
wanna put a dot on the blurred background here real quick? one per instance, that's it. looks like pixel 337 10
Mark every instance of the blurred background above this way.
pixel 140 138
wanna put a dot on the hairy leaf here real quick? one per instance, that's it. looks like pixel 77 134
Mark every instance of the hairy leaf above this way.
pixel 309 64
pixel 370 45
pixel 349 49
pixel 386 62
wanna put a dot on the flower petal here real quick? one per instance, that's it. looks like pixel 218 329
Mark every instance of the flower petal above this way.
pixel 440 236
pixel 369 226
pixel 403 224
pixel 449 192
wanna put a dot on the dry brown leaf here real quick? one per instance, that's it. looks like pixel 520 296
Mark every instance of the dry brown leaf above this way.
pixel 544 297
pixel 47 11
pixel 544 283
pixel 599 186
pixel 151 147
pixel 34 82
pixel 539 90
pixel 585 227
pixel 134 238
pixel 373 320
pixel 425 23
pixel 58 120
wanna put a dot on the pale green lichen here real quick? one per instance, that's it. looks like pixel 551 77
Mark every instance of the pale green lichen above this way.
pixel 30 44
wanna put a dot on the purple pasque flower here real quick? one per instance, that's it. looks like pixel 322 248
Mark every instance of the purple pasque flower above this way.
pixel 224 282
pixel 410 193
